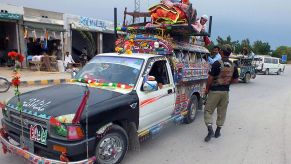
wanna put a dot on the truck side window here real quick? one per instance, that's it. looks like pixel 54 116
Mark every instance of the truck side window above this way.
pixel 268 60
pixel 275 61
pixel 160 72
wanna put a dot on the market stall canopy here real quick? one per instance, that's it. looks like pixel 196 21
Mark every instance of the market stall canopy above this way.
pixel 42 26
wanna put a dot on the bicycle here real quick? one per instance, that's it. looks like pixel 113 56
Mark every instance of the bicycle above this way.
pixel 4 84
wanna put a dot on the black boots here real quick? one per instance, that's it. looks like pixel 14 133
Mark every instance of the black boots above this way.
pixel 210 133
pixel 217 132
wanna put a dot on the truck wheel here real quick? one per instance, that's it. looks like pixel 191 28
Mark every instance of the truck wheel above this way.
pixel 192 110
pixel 254 76
pixel 112 147
pixel 279 72
pixel 267 71
pixel 247 78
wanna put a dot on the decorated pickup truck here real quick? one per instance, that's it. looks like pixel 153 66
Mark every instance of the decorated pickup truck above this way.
pixel 115 101
pixel 245 66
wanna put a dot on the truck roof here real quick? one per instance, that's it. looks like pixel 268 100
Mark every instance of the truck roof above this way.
pixel 259 56
pixel 133 55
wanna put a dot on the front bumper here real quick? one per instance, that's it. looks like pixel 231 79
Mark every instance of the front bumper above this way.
pixel 76 151
pixel 11 148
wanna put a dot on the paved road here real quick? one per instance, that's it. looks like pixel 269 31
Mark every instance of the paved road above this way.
pixel 256 131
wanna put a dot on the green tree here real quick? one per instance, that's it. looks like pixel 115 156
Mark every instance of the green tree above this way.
pixel 245 43
pixel 237 47
pixel 282 50
pixel 228 40
pixel 262 48
pixel 90 42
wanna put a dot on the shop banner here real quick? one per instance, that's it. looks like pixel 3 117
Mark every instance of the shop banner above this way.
pixel 94 24
pixel 10 16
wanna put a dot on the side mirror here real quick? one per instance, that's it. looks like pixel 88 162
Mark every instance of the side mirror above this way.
pixel 150 86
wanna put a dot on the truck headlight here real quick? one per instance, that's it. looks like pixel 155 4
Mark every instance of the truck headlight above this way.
pixel 75 132
pixel 68 131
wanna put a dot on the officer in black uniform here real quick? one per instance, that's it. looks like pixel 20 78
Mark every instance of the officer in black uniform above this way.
pixel 222 74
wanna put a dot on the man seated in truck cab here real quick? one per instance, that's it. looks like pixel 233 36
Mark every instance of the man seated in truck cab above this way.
pixel 159 71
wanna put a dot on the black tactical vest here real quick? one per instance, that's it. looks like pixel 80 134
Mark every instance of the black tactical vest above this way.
pixel 225 75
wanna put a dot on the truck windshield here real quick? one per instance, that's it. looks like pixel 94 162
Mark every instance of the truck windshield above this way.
pixel 109 69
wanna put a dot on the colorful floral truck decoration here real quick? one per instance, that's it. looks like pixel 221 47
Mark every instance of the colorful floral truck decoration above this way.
pixel 116 100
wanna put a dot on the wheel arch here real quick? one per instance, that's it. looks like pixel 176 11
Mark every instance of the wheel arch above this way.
pixel 131 130
pixel 199 99
pixel 197 94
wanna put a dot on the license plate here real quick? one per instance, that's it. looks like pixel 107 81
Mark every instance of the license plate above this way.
pixel 27 144
pixel 38 134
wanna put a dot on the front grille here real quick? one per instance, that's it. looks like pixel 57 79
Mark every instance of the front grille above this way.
pixel 27 120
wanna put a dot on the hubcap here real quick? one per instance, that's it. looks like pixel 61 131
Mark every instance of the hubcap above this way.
pixel 193 111
pixel 110 149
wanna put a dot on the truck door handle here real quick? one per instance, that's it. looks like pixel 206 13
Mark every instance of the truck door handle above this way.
pixel 170 91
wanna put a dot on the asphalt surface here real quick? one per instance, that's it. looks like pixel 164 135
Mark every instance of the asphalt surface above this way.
pixel 256 130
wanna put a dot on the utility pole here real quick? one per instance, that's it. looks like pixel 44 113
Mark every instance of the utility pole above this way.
pixel 136 9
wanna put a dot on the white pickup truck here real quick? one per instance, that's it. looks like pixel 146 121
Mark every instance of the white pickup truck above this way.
pixel 132 96
pixel 267 64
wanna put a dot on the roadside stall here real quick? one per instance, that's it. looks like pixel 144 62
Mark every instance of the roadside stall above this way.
pixel 10 20
pixel 44 35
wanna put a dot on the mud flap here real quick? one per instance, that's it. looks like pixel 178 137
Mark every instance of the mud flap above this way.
pixel 133 137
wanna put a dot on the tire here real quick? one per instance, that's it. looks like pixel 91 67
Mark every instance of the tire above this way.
pixel 254 76
pixel 112 147
pixel 4 85
pixel 279 72
pixel 247 78
pixel 192 110
pixel 267 72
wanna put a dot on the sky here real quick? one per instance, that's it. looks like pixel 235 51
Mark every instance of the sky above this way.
pixel 265 20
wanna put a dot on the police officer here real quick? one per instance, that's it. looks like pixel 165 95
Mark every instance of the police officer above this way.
pixel 222 74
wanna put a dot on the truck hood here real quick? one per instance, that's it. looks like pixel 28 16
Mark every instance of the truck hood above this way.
pixel 60 100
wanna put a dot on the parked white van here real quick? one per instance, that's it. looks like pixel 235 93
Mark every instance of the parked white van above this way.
pixel 267 64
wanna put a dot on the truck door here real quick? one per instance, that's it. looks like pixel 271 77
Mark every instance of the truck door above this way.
pixel 157 105
pixel 276 65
